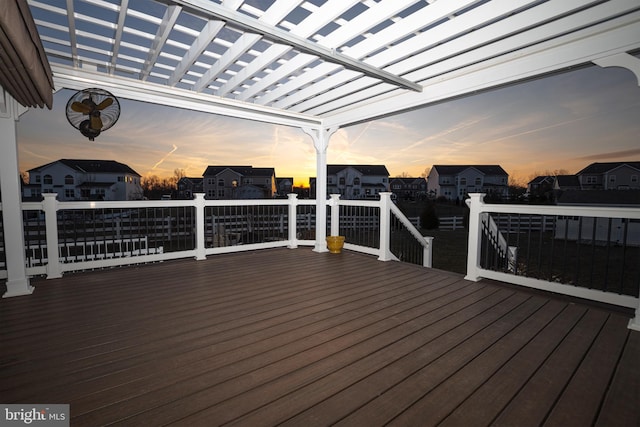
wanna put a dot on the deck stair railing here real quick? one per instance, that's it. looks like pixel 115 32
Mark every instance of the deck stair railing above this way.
pixel 380 228
pixel 586 252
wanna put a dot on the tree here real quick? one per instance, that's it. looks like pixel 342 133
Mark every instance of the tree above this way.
pixel 426 172
pixel 154 187
pixel 429 218
pixel 178 174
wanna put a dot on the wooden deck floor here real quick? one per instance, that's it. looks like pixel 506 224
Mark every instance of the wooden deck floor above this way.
pixel 298 338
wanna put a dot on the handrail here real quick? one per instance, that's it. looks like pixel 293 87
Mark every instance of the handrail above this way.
pixel 387 207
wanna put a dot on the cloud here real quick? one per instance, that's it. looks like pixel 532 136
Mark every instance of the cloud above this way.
pixel 612 155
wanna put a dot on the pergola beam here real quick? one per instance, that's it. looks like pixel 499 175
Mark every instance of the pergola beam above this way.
pixel 144 91
pixel 246 23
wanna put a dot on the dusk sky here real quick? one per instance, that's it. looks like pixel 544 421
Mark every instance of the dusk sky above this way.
pixel 560 122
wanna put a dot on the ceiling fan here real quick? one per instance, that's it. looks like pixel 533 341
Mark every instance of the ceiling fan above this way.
pixel 92 111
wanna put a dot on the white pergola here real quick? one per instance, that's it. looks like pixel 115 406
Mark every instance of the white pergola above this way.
pixel 317 65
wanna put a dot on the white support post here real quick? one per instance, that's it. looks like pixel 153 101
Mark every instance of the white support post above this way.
pixel 385 227
pixel 15 255
pixel 50 208
pixel 635 322
pixel 335 214
pixel 427 255
pixel 321 143
pixel 475 204
pixel 293 220
pixel 200 241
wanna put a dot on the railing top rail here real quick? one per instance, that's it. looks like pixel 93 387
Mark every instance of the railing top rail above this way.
pixel 412 229
pixel 555 210
pixel 364 203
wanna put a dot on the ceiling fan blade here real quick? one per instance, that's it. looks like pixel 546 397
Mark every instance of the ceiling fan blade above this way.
pixel 104 104
pixel 80 107
pixel 96 122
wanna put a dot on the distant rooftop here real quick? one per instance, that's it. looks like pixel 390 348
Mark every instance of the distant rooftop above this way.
pixel 91 166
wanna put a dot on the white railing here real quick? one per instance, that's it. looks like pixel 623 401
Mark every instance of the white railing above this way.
pixel 109 233
pixel 475 271
pixel 387 209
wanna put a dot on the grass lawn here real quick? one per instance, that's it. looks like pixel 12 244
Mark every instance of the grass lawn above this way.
pixel 449 249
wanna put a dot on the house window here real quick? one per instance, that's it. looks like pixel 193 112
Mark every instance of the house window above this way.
pixel 634 179
pixel 121 179
pixel 211 193
pixel 69 193
pixel 85 193
pixel 37 179
pixel 221 183
pixel 211 181
pixel 396 186
pixel 356 181
pixel 342 181
pixel 612 179
pixel 48 179
pixel 591 180
pixel 478 182
pixel 463 181
pixel 356 191
pixel 68 179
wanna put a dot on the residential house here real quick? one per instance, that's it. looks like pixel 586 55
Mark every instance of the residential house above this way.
pixel 284 186
pixel 408 188
pixel 610 176
pixel 540 185
pixel 188 186
pixel 566 182
pixel 239 182
pixel 600 198
pixel 355 181
pixel 76 179
pixel 454 182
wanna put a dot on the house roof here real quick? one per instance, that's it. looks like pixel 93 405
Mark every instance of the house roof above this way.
pixel 91 166
pixel 324 63
pixel 193 180
pixel 363 169
pixel 242 170
pixel 407 180
pixel 565 181
pixel 541 179
pixel 600 168
pixel 456 169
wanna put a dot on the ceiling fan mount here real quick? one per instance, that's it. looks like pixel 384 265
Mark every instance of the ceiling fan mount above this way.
pixel 92 111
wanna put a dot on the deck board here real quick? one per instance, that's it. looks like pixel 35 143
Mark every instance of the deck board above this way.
pixel 299 338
